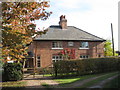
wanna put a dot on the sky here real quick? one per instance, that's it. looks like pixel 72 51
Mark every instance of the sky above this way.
pixel 93 16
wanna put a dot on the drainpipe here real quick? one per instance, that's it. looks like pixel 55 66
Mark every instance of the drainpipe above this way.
pixel 35 55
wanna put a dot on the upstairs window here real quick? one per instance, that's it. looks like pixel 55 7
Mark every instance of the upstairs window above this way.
pixel 57 45
pixel 84 45
pixel 70 44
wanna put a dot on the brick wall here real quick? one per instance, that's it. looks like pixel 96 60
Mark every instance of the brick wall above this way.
pixel 45 51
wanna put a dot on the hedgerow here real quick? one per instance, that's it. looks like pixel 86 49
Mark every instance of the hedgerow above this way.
pixel 86 66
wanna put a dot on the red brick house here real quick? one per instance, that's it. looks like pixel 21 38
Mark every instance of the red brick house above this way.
pixel 46 48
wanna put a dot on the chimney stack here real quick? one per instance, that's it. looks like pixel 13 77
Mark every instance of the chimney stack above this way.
pixel 63 22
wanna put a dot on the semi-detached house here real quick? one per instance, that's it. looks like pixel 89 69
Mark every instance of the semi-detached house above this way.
pixel 46 48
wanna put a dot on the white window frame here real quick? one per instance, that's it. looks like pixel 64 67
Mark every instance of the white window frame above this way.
pixel 84 56
pixel 57 58
pixel 57 45
pixel 83 46
pixel 70 43
pixel 38 61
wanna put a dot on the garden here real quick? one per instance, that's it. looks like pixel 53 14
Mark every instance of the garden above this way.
pixel 69 73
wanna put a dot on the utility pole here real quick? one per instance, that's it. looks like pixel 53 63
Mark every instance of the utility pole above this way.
pixel 112 39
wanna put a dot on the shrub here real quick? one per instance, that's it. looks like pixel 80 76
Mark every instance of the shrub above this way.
pixel 86 66
pixel 64 67
pixel 1 63
pixel 12 72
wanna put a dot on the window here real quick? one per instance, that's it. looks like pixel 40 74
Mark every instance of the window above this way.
pixel 30 54
pixel 38 61
pixel 57 45
pixel 84 56
pixel 70 43
pixel 99 55
pixel 84 45
pixel 56 58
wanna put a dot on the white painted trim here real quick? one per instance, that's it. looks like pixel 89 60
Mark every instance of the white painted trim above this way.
pixel 56 48
pixel 83 48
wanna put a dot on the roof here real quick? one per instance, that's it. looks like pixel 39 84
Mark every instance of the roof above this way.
pixel 71 33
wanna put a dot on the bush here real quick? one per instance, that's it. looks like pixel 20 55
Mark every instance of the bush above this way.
pixel 12 72
pixel 64 67
pixel 1 64
pixel 86 66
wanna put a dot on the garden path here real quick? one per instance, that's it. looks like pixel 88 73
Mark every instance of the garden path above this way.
pixel 38 81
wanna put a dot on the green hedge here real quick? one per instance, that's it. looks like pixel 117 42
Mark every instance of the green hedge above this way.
pixel 86 66
pixel 12 72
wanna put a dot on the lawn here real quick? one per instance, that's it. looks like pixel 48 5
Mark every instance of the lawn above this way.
pixel 93 82
pixel 13 84
pixel 69 80
pixel 45 85
pixel 115 83
pixel 65 81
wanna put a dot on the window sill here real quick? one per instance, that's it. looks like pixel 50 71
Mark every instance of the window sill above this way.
pixel 56 48
pixel 83 48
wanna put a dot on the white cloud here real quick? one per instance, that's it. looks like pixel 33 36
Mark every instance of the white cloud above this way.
pixel 70 4
pixel 93 16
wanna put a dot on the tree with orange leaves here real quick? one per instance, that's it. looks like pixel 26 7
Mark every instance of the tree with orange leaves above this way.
pixel 18 28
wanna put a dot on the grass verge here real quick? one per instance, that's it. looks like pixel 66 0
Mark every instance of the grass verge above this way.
pixel 94 82
pixel 68 80
pixel 47 75
pixel 114 83
pixel 13 84
pixel 45 85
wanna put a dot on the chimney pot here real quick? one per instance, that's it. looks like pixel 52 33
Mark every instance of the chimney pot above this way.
pixel 63 22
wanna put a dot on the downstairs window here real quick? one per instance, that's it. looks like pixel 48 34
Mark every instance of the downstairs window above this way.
pixel 56 58
pixel 84 56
